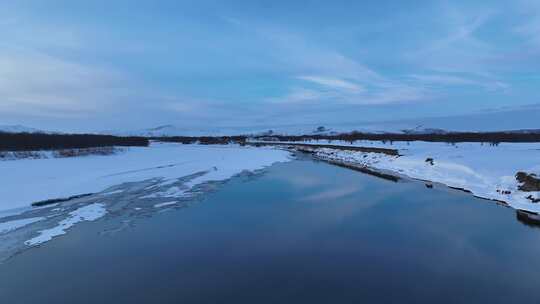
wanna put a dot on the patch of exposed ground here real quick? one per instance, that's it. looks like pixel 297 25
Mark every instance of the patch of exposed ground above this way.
pixel 529 182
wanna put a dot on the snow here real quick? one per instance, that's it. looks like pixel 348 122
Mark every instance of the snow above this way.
pixel 517 118
pixel 113 192
pixel 481 169
pixel 164 204
pixel 171 192
pixel 22 210
pixel 16 224
pixel 14 211
pixel 18 155
pixel 30 180
pixel 87 213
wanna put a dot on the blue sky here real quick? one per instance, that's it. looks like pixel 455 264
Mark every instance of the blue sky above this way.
pixel 95 65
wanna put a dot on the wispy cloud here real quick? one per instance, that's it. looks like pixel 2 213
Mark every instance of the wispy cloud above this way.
pixel 458 50
pixel 529 27
pixel 397 94
pixel 301 95
pixel 446 81
pixel 335 83
pixel 331 76
pixel 33 82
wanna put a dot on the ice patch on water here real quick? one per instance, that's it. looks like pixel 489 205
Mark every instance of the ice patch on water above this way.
pixel 113 192
pixel 16 224
pixel 164 204
pixel 171 192
pixel 87 213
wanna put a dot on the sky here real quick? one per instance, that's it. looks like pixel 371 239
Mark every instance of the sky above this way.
pixel 121 65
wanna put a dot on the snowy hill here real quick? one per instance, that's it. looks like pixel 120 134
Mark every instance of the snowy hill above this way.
pixel 409 127
pixel 521 119
pixel 171 130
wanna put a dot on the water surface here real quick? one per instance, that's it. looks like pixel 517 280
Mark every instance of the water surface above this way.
pixel 304 232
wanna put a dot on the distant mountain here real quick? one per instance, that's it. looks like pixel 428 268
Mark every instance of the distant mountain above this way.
pixel 420 130
pixel 389 127
pixel 19 129
pixel 523 119
pixel 520 120
pixel 171 130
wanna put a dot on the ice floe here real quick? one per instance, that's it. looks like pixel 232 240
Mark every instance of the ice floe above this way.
pixel 90 213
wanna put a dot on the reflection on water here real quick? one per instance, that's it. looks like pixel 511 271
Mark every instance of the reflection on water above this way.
pixel 303 232
pixel 528 218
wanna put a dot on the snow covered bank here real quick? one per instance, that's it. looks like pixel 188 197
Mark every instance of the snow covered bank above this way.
pixel 485 170
pixel 30 180
pixel 60 153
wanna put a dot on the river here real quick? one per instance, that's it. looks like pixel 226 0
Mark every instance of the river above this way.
pixel 300 232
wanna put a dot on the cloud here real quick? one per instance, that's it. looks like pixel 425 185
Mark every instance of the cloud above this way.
pixel 35 83
pixel 529 28
pixel 443 79
pixel 397 94
pixel 335 83
pixel 301 95
pixel 458 50
pixel 452 80
pixel 248 69
pixel 531 31
pixel 331 76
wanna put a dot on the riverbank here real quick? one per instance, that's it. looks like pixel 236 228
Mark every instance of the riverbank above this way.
pixel 486 170
pixel 138 182
pixel 29 181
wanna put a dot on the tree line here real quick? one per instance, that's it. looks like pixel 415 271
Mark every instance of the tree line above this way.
pixel 42 141
pixel 453 137
pixel 204 140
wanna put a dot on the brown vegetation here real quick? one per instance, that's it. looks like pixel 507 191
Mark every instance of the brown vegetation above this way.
pixel 529 182
pixel 204 140
pixel 310 148
pixel 85 152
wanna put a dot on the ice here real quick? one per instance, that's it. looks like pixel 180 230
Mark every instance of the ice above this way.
pixel 16 224
pixel 164 204
pixel 64 177
pixel 87 213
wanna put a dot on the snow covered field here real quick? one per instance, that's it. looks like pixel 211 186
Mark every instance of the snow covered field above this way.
pixel 487 171
pixel 31 180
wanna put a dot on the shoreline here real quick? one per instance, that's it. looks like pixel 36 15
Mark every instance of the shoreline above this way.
pixel 332 156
